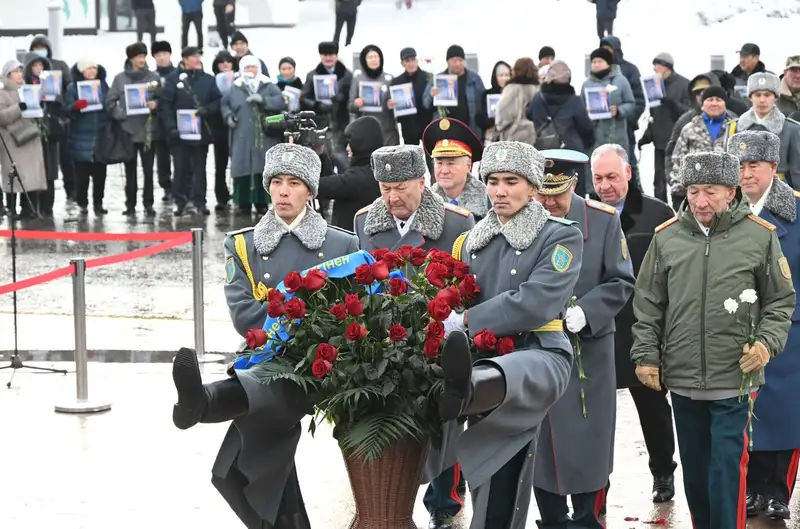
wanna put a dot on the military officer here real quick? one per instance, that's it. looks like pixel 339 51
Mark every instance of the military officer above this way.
pixel 454 148
pixel 774 457
pixel 527 264
pixel 576 448
pixel 254 470
pixel 409 213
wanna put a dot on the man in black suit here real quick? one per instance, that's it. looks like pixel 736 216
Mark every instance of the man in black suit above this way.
pixel 640 215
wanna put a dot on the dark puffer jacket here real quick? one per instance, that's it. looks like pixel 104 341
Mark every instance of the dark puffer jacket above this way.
pixel 86 127
pixel 568 111
pixel 631 73
pixel 56 64
pixel 199 89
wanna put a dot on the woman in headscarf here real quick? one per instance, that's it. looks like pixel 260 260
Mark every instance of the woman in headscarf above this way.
pixel 369 93
pixel 501 74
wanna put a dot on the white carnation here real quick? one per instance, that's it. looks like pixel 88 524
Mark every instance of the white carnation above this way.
pixel 610 88
pixel 748 296
pixel 182 76
pixel 731 306
pixel 154 83
pixel 179 86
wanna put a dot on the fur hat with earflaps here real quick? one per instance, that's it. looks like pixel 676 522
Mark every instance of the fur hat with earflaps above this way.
pixel 136 49
pixel 288 159
pixel 513 157
pixel 755 146
pixel 399 163
pixel 710 168
pixel 764 81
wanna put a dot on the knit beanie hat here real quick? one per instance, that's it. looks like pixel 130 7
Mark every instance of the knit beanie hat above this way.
pixel 11 66
pixel 714 91
pixel 710 168
pixel 546 51
pixel 665 59
pixel 455 51
pixel 85 63
pixel 134 50
pixel 602 53
pixel 289 159
pixel 238 36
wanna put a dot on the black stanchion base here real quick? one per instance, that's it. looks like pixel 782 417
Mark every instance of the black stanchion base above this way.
pixel 16 363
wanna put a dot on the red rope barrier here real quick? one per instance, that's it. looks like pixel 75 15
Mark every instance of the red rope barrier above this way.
pixel 37 280
pixel 98 237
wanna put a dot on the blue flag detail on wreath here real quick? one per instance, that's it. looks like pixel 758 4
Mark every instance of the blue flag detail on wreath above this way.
pixel 338 268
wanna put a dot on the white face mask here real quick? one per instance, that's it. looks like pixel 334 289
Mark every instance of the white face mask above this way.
pixel 248 74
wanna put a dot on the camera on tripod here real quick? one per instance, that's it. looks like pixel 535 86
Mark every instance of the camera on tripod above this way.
pixel 299 127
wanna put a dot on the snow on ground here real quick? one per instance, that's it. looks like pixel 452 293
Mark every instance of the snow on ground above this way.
pixel 690 30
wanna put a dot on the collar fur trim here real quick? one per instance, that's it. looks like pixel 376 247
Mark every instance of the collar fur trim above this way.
pixel 473 198
pixel 519 232
pixel 781 201
pixel 428 221
pixel 773 122
pixel 269 232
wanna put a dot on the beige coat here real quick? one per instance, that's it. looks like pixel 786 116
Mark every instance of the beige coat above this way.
pixel 510 123
pixel 28 156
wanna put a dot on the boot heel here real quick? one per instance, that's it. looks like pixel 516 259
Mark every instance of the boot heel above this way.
pixel 456 363
pixel 191 394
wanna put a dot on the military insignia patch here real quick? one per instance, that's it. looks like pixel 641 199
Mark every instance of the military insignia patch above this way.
pixel 444 124
pixel 786 272
pixel 287 157
pixel 743 146
pixel 230 270
pixel 388 167
pixel 762 81
pixel 625 248
pixel 561 258
pixel 445 142
pixel 501 155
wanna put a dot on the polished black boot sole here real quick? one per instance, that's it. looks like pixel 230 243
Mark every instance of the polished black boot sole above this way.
pixel 456 363
pixel 191 393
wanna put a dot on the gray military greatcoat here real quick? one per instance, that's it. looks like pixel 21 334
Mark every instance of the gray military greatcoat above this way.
pixel 526 270
pixel 261 445
pixel 575 454
pixel 473 198
pixel 435 225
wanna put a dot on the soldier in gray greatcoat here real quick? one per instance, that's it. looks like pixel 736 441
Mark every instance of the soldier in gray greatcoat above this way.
pixel 409 213
pixel 254 470
pixel 576 448
pixel 527 264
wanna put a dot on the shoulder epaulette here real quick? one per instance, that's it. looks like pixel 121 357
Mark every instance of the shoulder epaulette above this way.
pixel 457 209
pixel 337 228
pixel 363 210
pixel 790 120
pixel 599 206
pixel 667 224
pixel 237 232
pixel 561 220
pixel 797 194
pixel 764 223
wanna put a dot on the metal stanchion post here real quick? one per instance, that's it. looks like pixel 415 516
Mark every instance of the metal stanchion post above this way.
pixel 55 27
pixel 82 403
pixel 197 286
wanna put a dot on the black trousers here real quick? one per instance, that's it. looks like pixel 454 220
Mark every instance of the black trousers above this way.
pixel 224 23
pixel 67 168
pixel 190 174
pixel 146 23
pixel 351 28
pixel 503 492
pixel 188 19
pixel 164 165
pixel 655 417
pixel 660 175
pixel 604 28
pixel 83 172
pixel 221 154
pixel 46 199
pixel 773 474
pixel 132 176
pixel 554 511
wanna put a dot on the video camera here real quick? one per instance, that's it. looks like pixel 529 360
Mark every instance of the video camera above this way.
pixel 300 127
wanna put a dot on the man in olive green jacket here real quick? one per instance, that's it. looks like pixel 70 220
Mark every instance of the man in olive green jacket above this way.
pixel 687 326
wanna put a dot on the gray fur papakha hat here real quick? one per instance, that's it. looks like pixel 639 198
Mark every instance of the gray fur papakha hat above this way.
pixel 766 81
pixel 710 168
pixel 755 146
pixel 293 160
pixel 513 157
pixel 398 163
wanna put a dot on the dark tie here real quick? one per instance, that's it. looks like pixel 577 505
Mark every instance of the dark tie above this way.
pixel 402 225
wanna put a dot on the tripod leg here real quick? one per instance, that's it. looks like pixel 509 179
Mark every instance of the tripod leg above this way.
pixel 47 369
pixel 10 380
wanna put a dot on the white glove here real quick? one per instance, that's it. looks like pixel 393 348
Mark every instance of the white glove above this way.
pixel 576 319
pixel 454 322
pixel 255 98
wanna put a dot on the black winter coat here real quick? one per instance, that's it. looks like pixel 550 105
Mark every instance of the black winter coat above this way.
pixel 356 187
pixel 631 73
pixel 640 216
pixel 198 85
pixel 347 8
pixel 606 9
pixel 677 100
pixel 568 112
pixel 414 125
pixel 741 76
pixel 335 116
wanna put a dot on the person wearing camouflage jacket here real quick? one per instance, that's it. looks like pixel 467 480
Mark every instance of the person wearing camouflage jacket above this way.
pixel 704 133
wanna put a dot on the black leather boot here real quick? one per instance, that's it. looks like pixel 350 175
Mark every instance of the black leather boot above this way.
pixel 293 521
pixel 197 402
pixel 467 390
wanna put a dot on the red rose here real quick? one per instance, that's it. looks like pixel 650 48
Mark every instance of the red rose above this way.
pixel 431 347
pixel 326 351
pixel 315 279
pixel 320 368
pixel 293 282
pixel 397 333
pixel 505 345
pixel 405 252
pixel 379 253
pixel 255 338
pixel 436 273
pixel 275 295
pixel 485 340
pixel 364 274
pixel 339 311
pixel 438 309
pixel 391 259
pixel 438 256
pixel 397 286
pixel 434 331
pixel 469 288
pixel 460 269
pixel 417 257
pixel 295 308
pixel 353 305
pixel 355 332
pixel 450 295
pixel 275 309
pixel 380 270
